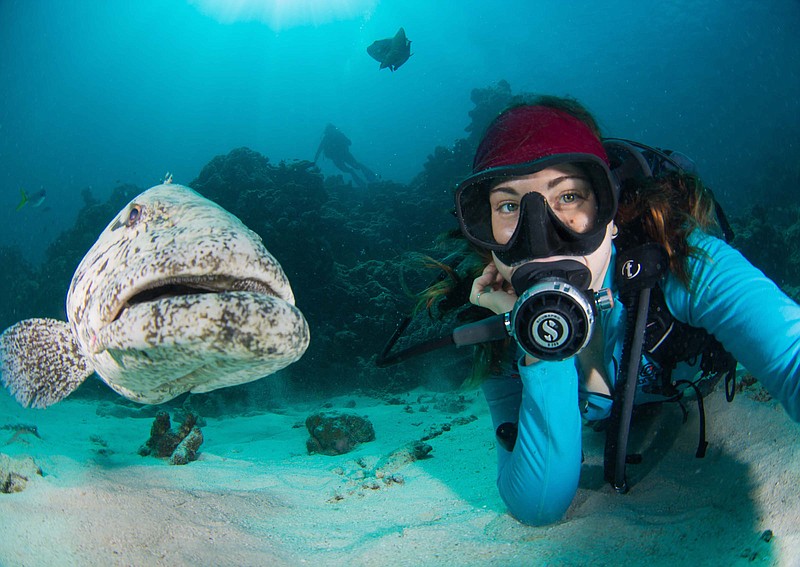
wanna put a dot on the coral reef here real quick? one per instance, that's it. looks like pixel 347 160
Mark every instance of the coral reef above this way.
pixel 489 102
pixel 332 243
pixel 335 433
pixel 20 284
pixel 770 239
pixel 179 446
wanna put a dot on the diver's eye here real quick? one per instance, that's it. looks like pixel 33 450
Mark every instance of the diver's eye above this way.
pixel 134 215
pixel 508 208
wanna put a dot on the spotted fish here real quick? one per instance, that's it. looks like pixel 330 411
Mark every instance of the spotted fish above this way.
pixel 176 295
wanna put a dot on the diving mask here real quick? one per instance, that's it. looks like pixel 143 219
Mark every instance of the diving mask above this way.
pixel 521 141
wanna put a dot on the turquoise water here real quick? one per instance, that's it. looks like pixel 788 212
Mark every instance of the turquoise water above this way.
pixel 97 93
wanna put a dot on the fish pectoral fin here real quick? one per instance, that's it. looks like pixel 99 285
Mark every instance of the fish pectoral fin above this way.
pixel 41 362
pixel 380 49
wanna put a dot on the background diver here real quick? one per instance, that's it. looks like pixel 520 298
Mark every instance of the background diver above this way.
pixel 336 147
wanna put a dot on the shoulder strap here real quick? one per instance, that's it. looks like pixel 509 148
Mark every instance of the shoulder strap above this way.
pixel 638 272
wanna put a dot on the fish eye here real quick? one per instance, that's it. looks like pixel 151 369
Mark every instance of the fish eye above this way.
pixel 134 215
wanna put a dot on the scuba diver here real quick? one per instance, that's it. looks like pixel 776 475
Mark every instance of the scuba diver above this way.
pixel 605 299
pixel 336 147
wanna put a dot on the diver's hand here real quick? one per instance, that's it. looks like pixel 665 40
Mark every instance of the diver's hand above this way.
pixel 491 291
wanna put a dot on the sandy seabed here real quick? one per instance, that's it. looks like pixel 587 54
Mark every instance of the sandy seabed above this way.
pixel 256 497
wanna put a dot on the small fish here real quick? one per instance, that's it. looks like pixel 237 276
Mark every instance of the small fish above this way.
pixel 176 295
pixel 167 179
pixel 34 199
pixel 392 52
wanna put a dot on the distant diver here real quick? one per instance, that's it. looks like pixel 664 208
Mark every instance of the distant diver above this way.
pixel 392 52
pixel 336 147
pixel 34 199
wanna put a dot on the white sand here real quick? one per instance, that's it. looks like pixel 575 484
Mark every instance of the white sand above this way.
pixel 255 497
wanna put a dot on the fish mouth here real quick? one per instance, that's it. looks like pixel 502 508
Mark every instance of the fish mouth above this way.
pixel 192 285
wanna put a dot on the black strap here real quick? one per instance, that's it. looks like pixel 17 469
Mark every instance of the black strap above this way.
pixel 488 329
pixel 730 385
pixel 386 359
pixel 616 449
pixel 637 270
pixel 702 444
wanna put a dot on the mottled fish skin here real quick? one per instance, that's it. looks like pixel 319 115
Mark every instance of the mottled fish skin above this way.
pixel 216 310
pixel 32 352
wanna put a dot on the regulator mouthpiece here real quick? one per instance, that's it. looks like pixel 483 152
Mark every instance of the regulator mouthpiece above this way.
pixel 554 317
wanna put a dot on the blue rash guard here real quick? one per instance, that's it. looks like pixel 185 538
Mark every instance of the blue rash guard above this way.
pixel 728 297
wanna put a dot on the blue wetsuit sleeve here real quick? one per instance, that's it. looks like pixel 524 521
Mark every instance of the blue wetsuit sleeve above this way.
pixel 752 318
pixel 503 395
pixel 539 478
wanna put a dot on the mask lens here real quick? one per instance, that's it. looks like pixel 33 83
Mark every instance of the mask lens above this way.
pixel 475 214
pixel 564 225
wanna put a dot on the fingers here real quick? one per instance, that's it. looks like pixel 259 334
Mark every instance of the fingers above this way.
pixel 487 279
pixel 483 283
pixel 490 290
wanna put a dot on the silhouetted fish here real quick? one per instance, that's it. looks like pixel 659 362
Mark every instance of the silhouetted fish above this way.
pixel 35 199
pixel 391 52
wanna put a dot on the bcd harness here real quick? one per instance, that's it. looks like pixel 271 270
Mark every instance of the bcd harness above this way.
pixel 651 330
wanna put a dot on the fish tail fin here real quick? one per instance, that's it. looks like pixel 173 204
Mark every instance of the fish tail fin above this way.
pixel 40 362
pixel 24 199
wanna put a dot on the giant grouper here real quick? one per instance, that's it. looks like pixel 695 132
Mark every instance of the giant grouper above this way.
pixel 177 295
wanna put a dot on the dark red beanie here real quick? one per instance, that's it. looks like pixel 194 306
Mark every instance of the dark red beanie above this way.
pixel 526 134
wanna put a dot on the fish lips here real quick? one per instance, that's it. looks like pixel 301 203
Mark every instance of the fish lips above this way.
pixel 240 325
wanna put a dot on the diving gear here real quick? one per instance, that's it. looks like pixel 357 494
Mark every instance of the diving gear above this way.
pixel 554 317
pixel 521 141
pixel 540 233
pixel 632 161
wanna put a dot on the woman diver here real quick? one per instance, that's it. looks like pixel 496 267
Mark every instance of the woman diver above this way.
pixel 542 206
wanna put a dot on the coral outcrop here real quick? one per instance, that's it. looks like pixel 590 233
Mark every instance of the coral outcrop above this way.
pixel 15 473
pixel 770 239
pixel 335 433
pixel 180 446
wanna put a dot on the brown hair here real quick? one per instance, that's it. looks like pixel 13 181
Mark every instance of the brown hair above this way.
pixel 666 210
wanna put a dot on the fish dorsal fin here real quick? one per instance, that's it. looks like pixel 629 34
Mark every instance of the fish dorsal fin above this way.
pixel 41 362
